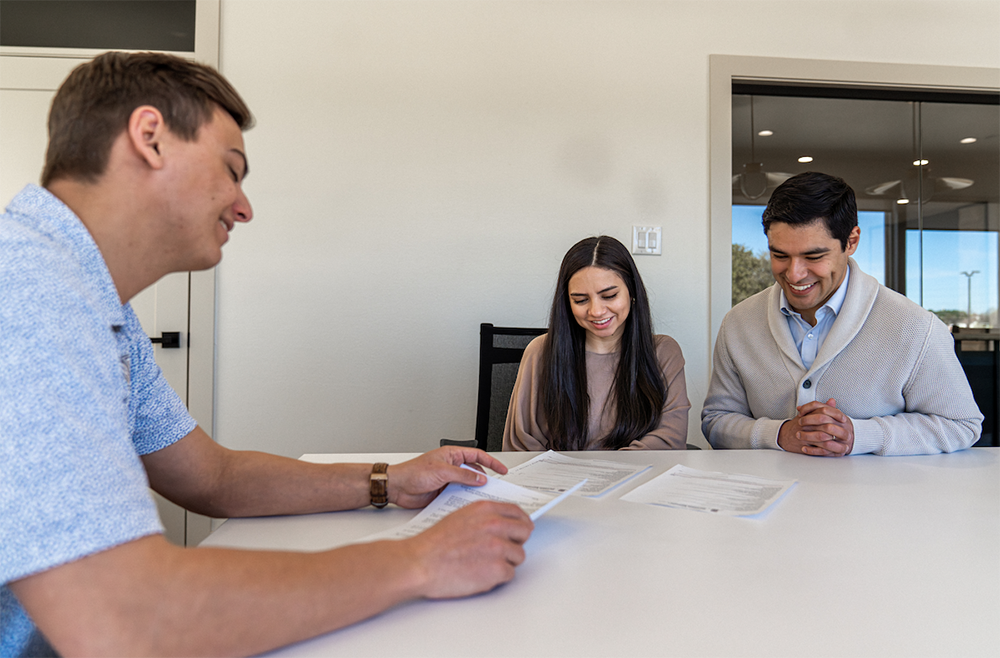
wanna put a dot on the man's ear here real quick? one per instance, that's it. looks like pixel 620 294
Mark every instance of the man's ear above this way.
pixel 146 130
pixel 852 241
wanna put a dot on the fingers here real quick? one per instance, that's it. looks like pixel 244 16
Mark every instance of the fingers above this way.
pixel 825 431
pixel 465 476
pixel 473 549
pixel 414 483
pixel 826 409
pixel 819 430
pixel 487 460
pixel 457 455
pixel 817 451
pixel 826 444
pixel 522 525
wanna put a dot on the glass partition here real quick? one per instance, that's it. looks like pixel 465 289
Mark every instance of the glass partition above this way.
pixel 927 177
pixel 925 167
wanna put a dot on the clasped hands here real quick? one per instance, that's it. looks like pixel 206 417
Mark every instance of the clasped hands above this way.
pixel 819 429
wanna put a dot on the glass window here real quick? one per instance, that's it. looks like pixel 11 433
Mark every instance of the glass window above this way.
pixel 926 172
pixel 167 25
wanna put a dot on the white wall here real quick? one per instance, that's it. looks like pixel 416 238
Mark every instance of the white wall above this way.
pixel 421 167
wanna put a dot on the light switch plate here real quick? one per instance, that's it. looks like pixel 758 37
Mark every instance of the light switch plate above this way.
pixel 646 240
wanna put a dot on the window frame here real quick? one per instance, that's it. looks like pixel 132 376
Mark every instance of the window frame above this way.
pixel 206 41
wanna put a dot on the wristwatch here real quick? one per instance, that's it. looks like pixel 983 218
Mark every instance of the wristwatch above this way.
pixel 379 486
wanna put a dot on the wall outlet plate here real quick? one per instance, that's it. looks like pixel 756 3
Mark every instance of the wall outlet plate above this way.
pixel 647 240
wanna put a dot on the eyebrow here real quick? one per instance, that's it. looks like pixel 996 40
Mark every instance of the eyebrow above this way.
pixel 246 163
pixel 812 252
pixel 599 292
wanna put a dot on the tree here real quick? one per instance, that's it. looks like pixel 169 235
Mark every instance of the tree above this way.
pixel 751 273
pixel 950 317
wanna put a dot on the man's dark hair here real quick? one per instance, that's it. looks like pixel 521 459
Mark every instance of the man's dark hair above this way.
pixel 811 196
pixel 93 106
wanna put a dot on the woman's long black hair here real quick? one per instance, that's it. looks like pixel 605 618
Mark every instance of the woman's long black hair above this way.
pixel 638 389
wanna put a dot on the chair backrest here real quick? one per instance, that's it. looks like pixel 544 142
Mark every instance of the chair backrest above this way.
pixel 500 351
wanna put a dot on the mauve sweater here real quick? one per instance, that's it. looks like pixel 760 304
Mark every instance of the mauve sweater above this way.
pixel 526 428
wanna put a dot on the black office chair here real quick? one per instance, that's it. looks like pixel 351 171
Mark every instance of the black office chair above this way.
pixel 978 351
pixel 500 351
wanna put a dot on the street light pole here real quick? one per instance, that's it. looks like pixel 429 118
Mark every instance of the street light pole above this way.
pixel 968 313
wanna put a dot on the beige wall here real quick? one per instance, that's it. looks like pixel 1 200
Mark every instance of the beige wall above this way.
pixel 421 167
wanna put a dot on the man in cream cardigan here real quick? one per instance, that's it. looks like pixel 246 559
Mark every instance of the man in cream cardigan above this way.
pixel 829 362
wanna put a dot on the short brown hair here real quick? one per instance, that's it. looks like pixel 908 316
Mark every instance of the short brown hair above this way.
pixel 93 106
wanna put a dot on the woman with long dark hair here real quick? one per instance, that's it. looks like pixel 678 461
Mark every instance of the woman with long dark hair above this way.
pixel 599 379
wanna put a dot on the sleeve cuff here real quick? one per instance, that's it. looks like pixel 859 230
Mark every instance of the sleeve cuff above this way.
pixel 765 434
pixel 867 436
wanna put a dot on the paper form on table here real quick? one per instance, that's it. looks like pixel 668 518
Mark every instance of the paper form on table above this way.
pixel 555 473
pixel 732 494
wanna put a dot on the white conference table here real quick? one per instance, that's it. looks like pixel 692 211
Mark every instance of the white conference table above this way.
pixel 866 556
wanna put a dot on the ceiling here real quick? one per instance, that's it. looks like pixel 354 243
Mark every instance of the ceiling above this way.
pixel 874 142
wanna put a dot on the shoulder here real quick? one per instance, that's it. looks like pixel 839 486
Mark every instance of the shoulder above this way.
pixel 534 349
pixel 891 310
pixel 752 311
pixel 666 346
pixel 43 285
pixel 888 315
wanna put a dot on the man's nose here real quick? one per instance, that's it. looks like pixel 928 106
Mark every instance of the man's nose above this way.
pixel 798 269
pixel 242 209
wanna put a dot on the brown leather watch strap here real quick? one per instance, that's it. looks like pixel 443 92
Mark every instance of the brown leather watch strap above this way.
pixel 379 487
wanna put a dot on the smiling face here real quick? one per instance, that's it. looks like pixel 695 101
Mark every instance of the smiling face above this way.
pixel 600 302
pixel 206 196
pixel 808 263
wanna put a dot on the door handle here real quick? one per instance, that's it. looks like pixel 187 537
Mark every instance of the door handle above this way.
pixel 168 340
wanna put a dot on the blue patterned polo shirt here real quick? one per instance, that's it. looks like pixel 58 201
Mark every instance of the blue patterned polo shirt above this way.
pixel 80 399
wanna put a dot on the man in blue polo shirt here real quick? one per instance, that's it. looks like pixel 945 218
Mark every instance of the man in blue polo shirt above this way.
pixel 143 177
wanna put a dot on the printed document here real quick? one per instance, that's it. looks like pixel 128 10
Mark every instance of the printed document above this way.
pixel 555 473
pixel 455 496
pixel 720 493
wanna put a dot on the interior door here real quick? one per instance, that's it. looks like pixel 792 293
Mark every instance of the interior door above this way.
pixel 27 85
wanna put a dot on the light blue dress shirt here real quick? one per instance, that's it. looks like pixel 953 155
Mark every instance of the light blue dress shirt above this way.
pixel 809 339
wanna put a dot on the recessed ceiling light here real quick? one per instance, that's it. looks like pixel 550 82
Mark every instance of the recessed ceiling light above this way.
pixel 967 140
pixel 805 158
pixel 902 202
pixel 765 133
pixel 921 163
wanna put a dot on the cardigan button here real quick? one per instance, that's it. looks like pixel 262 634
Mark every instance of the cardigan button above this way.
pixel 807 384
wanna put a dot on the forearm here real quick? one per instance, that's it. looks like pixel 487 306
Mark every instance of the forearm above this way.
pixel 736 431
pixel 260 484
pixel 671 434
pixel 726 417
pixel 150 598
pixel 914 434
pixel 204 477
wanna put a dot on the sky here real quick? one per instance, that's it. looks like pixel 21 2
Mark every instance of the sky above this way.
pixel 945 255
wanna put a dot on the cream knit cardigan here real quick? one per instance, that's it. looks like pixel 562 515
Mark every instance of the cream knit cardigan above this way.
pixel 889 364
